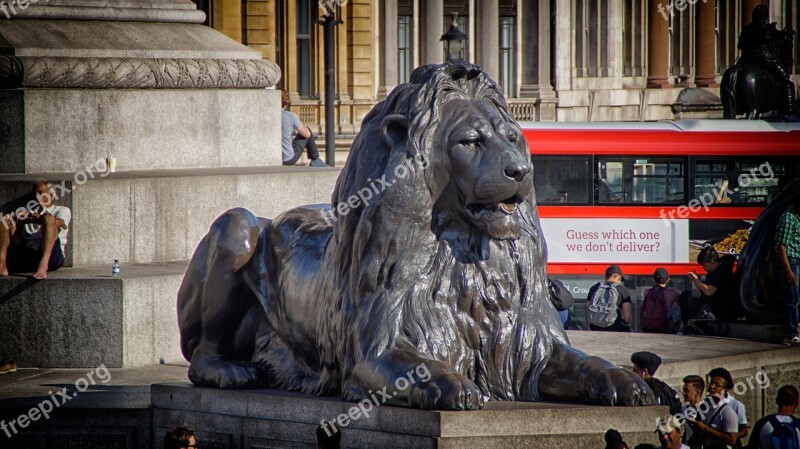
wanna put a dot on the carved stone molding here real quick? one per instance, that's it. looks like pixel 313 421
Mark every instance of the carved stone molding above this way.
pixel 10 72
pixel 145 73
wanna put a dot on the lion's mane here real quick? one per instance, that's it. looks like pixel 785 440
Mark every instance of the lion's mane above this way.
pixel 400 282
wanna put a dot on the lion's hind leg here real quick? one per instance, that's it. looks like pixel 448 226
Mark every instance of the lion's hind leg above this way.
pixel 218 314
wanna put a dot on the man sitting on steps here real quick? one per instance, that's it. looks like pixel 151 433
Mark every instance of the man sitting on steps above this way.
pixel 296 136
pixel 33 240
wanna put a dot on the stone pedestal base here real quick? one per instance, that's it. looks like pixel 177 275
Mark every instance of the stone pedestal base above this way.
pixel 273 419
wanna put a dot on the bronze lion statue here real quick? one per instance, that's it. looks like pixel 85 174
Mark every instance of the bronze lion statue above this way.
pixel 430 255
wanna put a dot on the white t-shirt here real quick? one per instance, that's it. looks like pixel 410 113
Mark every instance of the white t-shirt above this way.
pixel 737 407
pixel 766 432
pixel 61 212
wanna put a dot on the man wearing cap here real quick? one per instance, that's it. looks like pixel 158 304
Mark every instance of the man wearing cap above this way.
pixel 645 365
pixel 621 308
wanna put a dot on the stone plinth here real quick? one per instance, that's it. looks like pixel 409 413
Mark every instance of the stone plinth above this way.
pixel 142 80
pixel 68 130
pixel 274 419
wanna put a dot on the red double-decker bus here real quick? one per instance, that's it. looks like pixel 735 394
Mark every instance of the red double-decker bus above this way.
pixel 649 195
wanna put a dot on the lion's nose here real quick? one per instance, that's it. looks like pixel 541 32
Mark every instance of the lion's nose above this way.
pixel 517 171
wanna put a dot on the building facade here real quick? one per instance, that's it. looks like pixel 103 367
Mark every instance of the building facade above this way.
pixel 556 60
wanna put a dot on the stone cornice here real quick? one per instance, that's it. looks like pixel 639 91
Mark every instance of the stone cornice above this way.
pixel 144 73
pixel 173 11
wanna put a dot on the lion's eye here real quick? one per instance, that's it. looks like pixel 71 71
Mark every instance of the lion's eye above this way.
pixel 471 143
pixel 512 136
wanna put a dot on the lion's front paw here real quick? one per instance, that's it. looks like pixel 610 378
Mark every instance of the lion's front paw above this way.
pixel 618 386
pixel 447 391
pixel 225 373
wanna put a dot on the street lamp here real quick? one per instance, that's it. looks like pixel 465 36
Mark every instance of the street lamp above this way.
pixel 454 41
pixel 328 22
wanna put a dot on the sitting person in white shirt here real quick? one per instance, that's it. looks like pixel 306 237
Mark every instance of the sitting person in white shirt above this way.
pixel 32 239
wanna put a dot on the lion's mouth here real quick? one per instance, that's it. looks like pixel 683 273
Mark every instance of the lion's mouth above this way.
pixel 478 211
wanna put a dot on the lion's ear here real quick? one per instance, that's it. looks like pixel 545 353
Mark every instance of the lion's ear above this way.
pixel 394 130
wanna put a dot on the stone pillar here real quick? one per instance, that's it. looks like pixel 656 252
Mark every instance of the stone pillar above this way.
pixel 434 18
pixel 344 32
pixel 705 48
pixel 389 48
pixel 488 36
pixel 657 45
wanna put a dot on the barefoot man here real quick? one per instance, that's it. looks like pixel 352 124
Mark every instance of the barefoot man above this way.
pixel 33 240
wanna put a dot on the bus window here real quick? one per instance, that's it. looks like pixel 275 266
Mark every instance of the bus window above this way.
pixel 561 179
pixel 751 181
pixel 640 181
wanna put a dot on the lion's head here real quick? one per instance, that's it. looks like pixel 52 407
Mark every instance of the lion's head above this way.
pixel 452 122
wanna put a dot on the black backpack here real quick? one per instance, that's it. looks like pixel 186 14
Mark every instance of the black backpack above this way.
pixel 665 395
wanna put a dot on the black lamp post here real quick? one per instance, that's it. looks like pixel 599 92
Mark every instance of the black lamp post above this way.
pixel 454 41
pixel 328 22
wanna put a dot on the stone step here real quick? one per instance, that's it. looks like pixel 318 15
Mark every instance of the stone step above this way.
pixel 767 333
pixel 113 411
pixel 278 419
pixel 83 317
pixel 147 216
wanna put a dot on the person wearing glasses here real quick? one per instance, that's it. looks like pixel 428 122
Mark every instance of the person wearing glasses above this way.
pixel 718 293
pixel 716 424
pixel 721 383
pixel 180 438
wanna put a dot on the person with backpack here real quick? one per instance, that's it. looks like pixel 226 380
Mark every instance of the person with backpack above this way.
pixel 693 388
pixel 661 311
pixel 608 306
pixel 780 430
pixel 645 365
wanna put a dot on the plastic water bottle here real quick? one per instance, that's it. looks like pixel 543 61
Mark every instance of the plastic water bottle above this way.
pixel 115 268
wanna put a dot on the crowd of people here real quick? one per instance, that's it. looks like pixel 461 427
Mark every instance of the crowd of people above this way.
pixel 666 310
pixel 716 421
